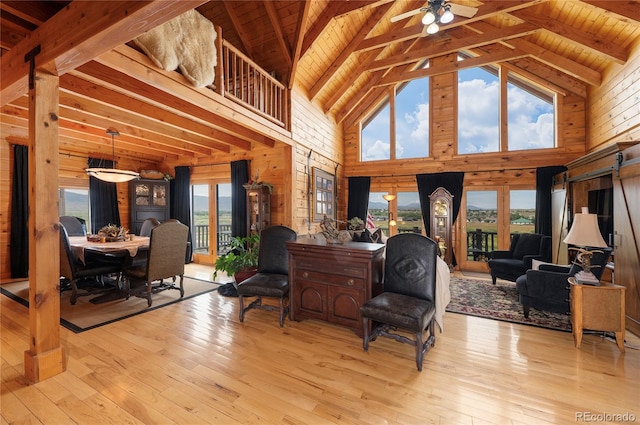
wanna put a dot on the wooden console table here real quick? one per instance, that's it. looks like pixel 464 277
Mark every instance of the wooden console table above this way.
pixel 331 281
pixel 599 308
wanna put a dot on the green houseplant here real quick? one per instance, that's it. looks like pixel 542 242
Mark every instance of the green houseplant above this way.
pixel 242 256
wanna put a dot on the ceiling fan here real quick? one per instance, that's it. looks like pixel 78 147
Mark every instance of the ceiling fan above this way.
pixel 438 12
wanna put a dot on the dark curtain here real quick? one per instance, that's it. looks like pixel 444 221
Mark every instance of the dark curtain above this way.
pixel 19 239
pixel 239 177
pixel 103 198
pixel 180 207
pixel 427 183
pixel 358 202
pixel 544 182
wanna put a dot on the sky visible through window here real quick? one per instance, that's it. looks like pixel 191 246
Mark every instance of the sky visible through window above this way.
pixel 530 118
pixel 412 120
pixel 531 122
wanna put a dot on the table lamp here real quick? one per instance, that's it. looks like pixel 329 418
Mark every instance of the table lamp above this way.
pixel 585 234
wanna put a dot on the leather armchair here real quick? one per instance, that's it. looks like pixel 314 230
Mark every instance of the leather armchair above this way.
pixel 515 262
pixel 548 288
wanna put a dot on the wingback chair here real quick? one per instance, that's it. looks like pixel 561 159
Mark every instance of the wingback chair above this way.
pixel 272 278
pixel 548 288
pixel 408 300
pixel 167 245
pixel 515 262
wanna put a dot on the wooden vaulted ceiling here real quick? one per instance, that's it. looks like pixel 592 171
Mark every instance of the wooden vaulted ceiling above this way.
pixel 342 55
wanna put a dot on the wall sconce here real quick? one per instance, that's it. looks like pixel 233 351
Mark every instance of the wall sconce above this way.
pixel 390 221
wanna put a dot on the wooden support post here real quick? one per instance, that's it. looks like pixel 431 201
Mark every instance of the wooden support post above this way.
pixel 45 357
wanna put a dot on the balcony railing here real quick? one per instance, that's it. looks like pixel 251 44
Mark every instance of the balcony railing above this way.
pixel 201 238
pixel 247 84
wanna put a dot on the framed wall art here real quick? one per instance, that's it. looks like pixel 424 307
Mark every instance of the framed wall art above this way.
pixel 323 195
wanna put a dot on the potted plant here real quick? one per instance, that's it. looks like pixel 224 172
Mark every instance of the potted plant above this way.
pixel 242 260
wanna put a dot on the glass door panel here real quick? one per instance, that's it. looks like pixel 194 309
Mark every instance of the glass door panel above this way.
pixel 200 207
pixel 522 211
pixel 409 213
pixel 224 217
pixel 482 217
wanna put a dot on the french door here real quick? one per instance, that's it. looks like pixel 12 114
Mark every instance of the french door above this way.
pixel 211 220
pixel 489 216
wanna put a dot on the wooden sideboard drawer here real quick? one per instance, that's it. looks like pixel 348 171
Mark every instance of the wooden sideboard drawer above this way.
pixel 333 279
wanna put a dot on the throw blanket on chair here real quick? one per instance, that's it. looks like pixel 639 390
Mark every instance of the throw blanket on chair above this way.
pixel 186 42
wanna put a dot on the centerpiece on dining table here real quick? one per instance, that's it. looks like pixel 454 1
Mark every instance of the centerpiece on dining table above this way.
pixel 111 233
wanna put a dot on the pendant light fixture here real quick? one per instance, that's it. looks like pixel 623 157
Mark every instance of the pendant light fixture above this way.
pixel 112 175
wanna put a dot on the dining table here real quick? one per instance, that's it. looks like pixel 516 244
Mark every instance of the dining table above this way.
pixel 80 245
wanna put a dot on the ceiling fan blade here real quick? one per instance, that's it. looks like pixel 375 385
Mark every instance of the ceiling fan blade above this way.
pixel 405 15
pixel 464 11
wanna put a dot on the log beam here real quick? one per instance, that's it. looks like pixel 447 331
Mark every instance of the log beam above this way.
pixel 45 357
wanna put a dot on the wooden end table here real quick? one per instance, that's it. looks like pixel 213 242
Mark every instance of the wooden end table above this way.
pixel 598 308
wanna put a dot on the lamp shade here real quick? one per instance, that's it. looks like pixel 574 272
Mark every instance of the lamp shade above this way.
pixel 112 175
pixel 585 231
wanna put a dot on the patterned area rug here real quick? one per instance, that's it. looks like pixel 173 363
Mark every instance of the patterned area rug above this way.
pixel 481 298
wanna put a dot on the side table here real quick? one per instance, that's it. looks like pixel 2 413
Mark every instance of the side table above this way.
pixel 598 308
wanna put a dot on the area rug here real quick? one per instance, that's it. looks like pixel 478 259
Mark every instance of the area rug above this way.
pixel 476 297
pixel 85 314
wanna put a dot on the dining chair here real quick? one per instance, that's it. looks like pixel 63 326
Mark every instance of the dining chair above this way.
pixel 148 225
pixel 272 278
pixel 73 225
pixel 167 244
pixel 73 270
pixel 408 300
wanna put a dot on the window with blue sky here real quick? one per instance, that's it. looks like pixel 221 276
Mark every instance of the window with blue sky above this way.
pixel 376 135
pixel 478 111
pixel 412 119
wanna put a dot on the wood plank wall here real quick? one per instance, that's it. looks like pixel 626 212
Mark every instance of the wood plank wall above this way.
pixel 614 107
pixel 313 130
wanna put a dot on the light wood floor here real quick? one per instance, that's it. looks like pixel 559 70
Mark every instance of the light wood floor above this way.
pixel 194 363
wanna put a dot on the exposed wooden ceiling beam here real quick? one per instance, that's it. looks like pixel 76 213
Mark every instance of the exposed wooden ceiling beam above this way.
pixel 559 62
pixel 272 13
pixel 624 9
pixel 455 45
pixel 575 36
pixel 332 10
pixel 82 87
pixel 441 69
pixel 369 24
pixel 237 26
pixel 301 28
pixel 108 70
pixel 63 47
pixel 485 11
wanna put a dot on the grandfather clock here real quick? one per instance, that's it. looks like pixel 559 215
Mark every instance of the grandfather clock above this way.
pixel 258 207
pixel 441 203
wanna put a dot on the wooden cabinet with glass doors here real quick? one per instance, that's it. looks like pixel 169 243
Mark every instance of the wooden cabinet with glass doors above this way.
pixel 441 203
pixel 148 199
pixel 258 207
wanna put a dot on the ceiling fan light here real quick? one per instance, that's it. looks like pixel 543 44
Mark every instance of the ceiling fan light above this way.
pixel 447 16
pixel 433 28
pixel 428 18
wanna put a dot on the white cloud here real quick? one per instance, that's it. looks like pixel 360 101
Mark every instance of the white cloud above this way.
pixel 377 150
